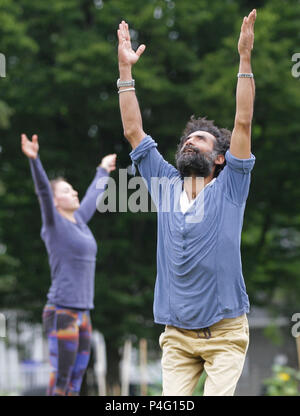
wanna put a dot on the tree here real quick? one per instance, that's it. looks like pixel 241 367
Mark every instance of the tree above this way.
pixel 61 73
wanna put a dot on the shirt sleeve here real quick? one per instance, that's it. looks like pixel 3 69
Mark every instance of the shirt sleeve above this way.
pixel 43 191
pixel 236 176
pixel 152 166
pixel 88 204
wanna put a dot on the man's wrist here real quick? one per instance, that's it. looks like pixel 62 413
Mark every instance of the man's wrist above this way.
pixel 125 72
pixel 245 56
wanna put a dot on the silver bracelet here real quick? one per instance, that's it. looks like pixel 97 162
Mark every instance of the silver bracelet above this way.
pixel 245 75
pixel 129 83
pixel 127 89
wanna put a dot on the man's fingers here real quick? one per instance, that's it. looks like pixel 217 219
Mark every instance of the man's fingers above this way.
pixel 124 30
pixel 140 50
pixel 244 24
pixel 121 37
pixel 253 17
pixel 121 32
pixel 124 37
pixel 248 22
pixel 127 34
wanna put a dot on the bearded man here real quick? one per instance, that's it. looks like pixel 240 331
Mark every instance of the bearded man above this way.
pixel 200 294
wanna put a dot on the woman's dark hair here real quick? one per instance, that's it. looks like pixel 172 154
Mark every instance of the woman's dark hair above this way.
pixel 222 136
pixel 55 181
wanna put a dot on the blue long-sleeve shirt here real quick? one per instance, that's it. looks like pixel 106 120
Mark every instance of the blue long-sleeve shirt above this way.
pixel 199 271
pixel 71 246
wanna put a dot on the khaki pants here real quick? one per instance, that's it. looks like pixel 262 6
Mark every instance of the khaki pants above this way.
pixel 219 349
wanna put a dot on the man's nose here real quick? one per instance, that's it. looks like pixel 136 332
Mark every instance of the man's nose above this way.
pixel 190 141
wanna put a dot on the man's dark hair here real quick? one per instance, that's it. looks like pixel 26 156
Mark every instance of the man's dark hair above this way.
pixel 222 136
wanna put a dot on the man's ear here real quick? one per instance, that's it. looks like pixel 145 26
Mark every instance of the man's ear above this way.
pixel 55 202
pixel 220 160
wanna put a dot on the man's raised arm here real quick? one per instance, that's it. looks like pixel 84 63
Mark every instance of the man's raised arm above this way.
pixel 240 145
pixel 129 106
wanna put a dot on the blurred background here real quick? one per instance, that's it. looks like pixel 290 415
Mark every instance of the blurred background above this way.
pixel 60 83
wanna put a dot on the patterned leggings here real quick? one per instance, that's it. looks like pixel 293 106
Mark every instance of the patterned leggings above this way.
pixel 69 336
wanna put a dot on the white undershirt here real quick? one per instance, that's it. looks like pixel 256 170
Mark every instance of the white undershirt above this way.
pixel 185 204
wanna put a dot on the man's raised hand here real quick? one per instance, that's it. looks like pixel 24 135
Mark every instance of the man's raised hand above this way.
pixel 246 39
pixel 127 56
pixel 30 148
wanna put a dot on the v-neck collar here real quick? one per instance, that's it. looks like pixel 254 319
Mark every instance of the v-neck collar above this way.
pixel 185 204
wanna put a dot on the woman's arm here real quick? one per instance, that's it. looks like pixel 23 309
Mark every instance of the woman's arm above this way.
pixel 40 179
pixel 88 204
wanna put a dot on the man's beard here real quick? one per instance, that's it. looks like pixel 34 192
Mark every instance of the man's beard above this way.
pixel 190 161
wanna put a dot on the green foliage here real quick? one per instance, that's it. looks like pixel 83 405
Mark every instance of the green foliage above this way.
pixel 61 71
pixel 273 333
pixel 199 390
pixel 284 382
pixel 154 390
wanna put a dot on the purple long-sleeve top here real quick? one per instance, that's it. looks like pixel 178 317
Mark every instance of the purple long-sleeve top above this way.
pixel 71 246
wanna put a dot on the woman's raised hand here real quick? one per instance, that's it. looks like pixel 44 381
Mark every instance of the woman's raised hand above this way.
pixel 30 148
pixel 109 162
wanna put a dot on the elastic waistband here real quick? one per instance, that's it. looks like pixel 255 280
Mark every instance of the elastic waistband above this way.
pixel 206 333
pixel 53 307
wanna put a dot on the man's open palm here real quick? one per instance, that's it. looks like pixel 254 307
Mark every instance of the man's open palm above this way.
pixel 246 39
pixel 126 55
